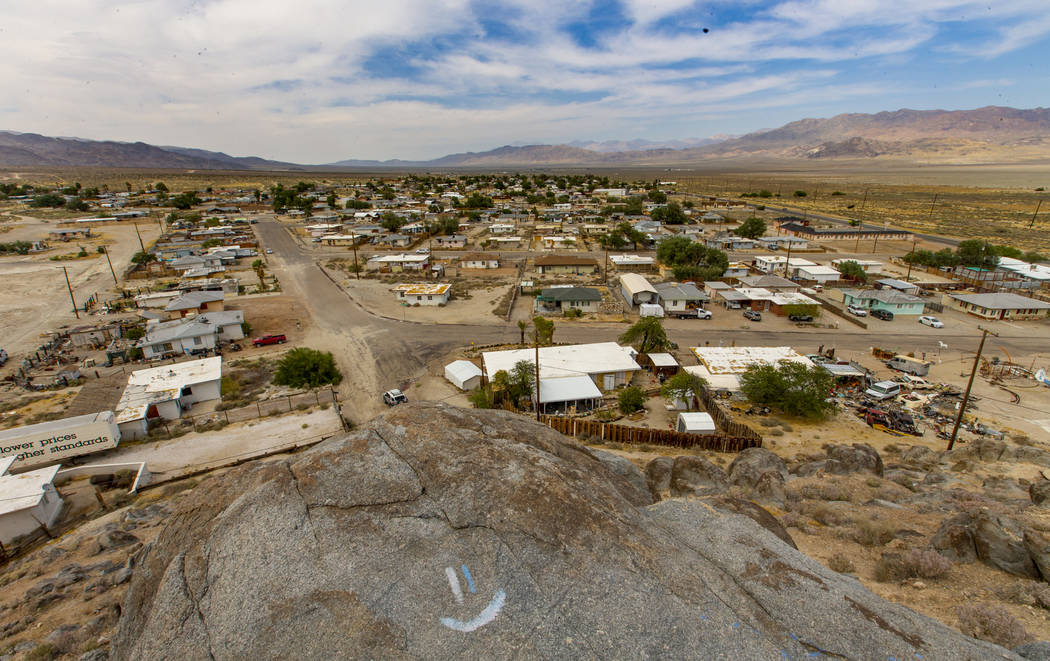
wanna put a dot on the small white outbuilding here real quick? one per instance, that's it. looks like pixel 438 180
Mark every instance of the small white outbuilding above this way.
pixel 696 423
pixel 27 501
pixel 463 374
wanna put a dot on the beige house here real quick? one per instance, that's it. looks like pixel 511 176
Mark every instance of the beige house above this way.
pixel 566 265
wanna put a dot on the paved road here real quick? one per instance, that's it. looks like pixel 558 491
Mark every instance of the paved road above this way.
pixel 400 350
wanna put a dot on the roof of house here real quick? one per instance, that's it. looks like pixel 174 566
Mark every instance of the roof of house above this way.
pixel 636 284
pixel 679 291
pixel 663 360
pixel 568 389
pixel 23 491
pixel 896 284
pixel 767 282
pixel 194 299
pixel 423 289
pixel 736 360
pixel 162 384
pixel 571 294
pixel 1002 301
pixel 565 260
pixel 566 360
pixel 630 259
pixel 203 324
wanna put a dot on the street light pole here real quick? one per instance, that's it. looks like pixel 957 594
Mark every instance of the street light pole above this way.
pixel 969 386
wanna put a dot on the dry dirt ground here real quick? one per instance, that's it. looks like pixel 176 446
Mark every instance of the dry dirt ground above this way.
pixel 34 297
pixel 377 297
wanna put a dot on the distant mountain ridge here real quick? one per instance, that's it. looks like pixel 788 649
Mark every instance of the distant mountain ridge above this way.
pixel 992 134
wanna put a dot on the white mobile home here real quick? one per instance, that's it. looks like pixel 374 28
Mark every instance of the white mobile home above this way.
pixel 27 501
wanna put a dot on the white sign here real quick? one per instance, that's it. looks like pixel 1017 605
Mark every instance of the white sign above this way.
pixel 52 442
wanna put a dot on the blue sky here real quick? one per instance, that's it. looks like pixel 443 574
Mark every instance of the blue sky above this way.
pixel 321 80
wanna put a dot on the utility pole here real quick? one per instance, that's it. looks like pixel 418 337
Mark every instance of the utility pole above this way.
pixel 70 288
pixel 353 242
pixel 914 243
pixel 141 247
pixel 787 261
pixel 865 200
pixel 1035 214
pixel 105 251
pixel 875 247
pixel 537 403
pixel 969 386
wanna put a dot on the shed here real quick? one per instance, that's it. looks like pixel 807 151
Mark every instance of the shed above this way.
pixel 463 374
pixel 568 392
pixel 636 289
pixel 696 423
pixel 663 364
pixel 27 501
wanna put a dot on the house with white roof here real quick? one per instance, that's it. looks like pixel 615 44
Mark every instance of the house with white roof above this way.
pixel 195 302
pixel 166 392
pixel 607 364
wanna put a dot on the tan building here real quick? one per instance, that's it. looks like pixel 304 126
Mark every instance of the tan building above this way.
pixel 566 265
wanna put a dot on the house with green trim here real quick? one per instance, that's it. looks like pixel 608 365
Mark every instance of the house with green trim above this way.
pixel 889 300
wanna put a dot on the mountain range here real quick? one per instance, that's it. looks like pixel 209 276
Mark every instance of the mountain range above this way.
pixel 992 134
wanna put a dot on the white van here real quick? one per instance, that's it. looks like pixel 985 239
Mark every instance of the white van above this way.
pixel 910 365
pixel 883 390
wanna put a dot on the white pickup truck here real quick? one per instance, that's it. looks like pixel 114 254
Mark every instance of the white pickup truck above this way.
pixel 697 313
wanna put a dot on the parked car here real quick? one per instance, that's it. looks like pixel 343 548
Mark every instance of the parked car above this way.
pixel 885 315
pixel 932 322
pixel 883 390
pixel 269 251
pixel 394 397
pixel 915 382
pixel 800 317
pixel 422 251
pixel 752 315
pixel 269 339
pixel 853 309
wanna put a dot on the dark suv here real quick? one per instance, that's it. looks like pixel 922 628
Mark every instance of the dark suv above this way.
pixel 885 315
pixel 752 315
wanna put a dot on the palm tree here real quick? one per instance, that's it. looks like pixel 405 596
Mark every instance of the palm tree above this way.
pixel 522 325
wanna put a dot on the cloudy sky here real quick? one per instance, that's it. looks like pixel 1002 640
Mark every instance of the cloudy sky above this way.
pixel 316 81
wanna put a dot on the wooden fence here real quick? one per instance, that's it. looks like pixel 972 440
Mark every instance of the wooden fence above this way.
pixel 724 421
pixel 613 433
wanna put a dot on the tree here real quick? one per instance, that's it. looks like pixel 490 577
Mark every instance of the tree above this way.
pixel 752 228
pixel 260 271
pixel 161 187
pixel 977 253
pixel 521 381
pixel 672 214
pixel 477 201
pixel 635 206
pixel 631 399
pixel 448 226
pixel 77 204
pixel 647 335
pixel 391 222
pixel 482 397
pixel 657 196
pixel 690 260
pixel 682 387
pixel 307 368
pixel 795 388
pixel 852 270
pixel 47 200
pixel 522 325
pixel 143 257
pixel 330 200
pixel 185 200
pixel 543 331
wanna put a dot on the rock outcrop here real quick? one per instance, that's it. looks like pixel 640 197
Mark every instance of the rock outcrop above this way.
pixel 436 532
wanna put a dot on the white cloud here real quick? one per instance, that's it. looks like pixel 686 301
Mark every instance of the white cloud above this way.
pixel 293 80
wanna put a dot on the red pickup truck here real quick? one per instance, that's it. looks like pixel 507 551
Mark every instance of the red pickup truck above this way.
pixel 269 339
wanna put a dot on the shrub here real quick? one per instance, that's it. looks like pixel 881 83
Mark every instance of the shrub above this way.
pixel 925 563
pixel 874 533
pixel 631 399
pixel 841 563
pixel 828 515
pixel 1026 593
pixel 42 652
pixel 303 367
pixel 991 622
pixel 889 568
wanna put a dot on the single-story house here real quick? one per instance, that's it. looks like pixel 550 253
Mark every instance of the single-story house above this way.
pixel 200 333
pixel 479 260
pixel 829 234
pixel 552 242
pixel 721 367
pixel 463 374
pixel 398 263
pixel 451 241
pixel 506 241
pixel 816 273
pixel 568 394
pixel 393 240
pixel 889 300
pixel 730 241
pixel 736 270
pixel 770 263
pixel 695 423
pixel 501 228
pixel 562 299
pixel 633 262
pixel 195 302
pixel 870 266
pixel 27 501
pixel 165 392
pixel 676 296
pixel 566 264
pixel 607 364
pixel 423 293
pixel 1000 305
pixel 783 242
pixel 636 289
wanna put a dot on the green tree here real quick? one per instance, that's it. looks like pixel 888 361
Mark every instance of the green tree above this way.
pixel 671 214
pixel 47 200
pixel 330 200
pixel 482 397
pixel 647 335
pixel 800 193
pixel 690 260
pixel 635 206
pixel 77 204
pixel 143 257
pixel 977 253
pixel 522 326
pixel 631 399
pixel 448 226
pixel 185 200
pixel 852 270
pixel 543 331
pixel 307 368
pixel 357 204
pixel 657 196
pixel 682 387
pixel 795 388
pixel 521 381
pixel 477 201
pixel 161 186
pixel 391 222
pixel 752 228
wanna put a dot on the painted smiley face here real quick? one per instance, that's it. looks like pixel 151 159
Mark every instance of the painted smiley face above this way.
pixel 487 615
